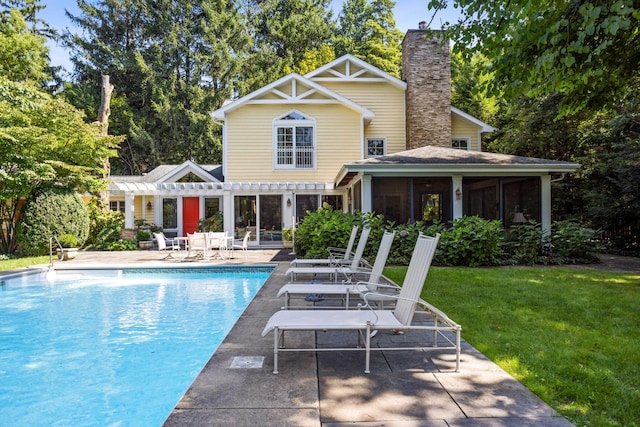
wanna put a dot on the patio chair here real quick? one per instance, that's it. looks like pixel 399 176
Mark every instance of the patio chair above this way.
pixel 198 247
pixel 369 279
pixel 337 256
pixel 335 271
pixel 242 246
pixel 218 244
pixel 366 320
pixel 165 244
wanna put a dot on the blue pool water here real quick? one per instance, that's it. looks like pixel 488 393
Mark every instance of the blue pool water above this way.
pixel 112 347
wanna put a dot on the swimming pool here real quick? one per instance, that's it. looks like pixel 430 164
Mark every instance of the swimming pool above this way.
pixel 112 347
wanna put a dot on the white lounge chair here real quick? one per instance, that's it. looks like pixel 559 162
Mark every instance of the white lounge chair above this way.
pixel 335 271
pixel 337 256
pixel 369 279
pixel 367 320
pixel 165 244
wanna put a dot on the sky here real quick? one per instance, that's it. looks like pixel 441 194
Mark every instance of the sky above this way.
pixel 407 13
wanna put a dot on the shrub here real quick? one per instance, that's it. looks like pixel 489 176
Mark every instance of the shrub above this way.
pixel 105 228
pixel 321 229
pixel 525 243
pixel 471 241
pixel 122 245
pixel 52 212
pixel 142 235
pixel 287 234
pixel 68 241
pixel 575 242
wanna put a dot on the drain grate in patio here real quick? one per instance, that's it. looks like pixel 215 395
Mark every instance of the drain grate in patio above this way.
pixel 247 362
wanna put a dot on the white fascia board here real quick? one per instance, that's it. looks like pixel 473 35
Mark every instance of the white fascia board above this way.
pixel 484 126
pixel 499 170
pixel 185 168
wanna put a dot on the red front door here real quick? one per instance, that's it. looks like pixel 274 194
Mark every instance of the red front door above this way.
pixel 190 214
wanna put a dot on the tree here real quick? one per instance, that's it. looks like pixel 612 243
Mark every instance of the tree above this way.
pixel 44 141
pixel 312 60
pixel 283 32
pixel 368 31
pixel 610 188
pixel 586 50
pixel 172 62
pixel 23 54
pixel 468 87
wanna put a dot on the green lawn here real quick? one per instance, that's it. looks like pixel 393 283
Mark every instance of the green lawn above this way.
pixel 10 264
pixel 571 336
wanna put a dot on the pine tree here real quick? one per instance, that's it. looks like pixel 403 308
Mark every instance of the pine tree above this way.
pixel 368 31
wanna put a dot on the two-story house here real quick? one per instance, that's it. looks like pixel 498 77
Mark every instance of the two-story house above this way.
pixel 350 135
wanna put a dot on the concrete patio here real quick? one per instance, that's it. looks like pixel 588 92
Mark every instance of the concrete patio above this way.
pixel 412 388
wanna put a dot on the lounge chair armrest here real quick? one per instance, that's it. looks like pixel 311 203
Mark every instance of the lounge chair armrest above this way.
pixel 335 250
pixel 376 285
pixel 396 297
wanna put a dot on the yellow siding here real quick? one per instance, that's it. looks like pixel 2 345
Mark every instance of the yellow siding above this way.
pixel 140 209
pixel 461 128
pixel 250 142
pixel 386 102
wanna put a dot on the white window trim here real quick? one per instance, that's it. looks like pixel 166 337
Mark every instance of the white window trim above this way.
pixel 384 146
pixel 280 122
pixel 460 138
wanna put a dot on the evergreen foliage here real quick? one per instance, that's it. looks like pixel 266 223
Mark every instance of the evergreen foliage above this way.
pixel 54 212
pixel 368 31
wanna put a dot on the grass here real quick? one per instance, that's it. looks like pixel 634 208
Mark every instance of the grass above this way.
pixel 570 336
pixel 10 264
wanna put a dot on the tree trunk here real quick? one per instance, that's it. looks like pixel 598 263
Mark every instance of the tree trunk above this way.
pixel 103 118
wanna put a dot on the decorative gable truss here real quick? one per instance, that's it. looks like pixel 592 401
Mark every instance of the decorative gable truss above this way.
pixel 173 180
pixel 292 89
pixel 348 68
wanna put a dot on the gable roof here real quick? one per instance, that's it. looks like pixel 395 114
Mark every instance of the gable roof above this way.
pixel 484 127
pixel 292 89
pixel 166 176
pixel 352 69
pixel 447 161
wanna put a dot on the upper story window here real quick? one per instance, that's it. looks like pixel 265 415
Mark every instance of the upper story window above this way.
pixel 294 135
pixel 376 147
pixel 461 143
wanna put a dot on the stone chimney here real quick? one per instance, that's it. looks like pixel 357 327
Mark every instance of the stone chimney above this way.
pixel 426 67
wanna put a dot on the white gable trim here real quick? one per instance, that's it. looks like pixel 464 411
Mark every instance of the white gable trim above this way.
pixel 294 98
pixel 483 126
pixel 183 170
pixel 348 75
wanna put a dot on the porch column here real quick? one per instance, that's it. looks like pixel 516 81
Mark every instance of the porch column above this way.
pixel 179 215
pixel 288 217
pixel 457 196
pixel 366 193
pixel 128 209
pixel 228 212
pixel 545 203
pixel 157 210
